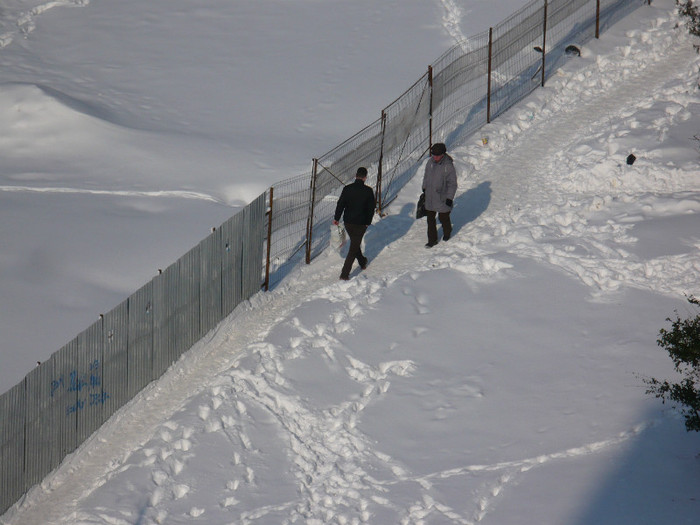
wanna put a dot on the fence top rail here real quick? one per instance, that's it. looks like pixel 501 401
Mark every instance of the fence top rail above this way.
pixel 354 137
pixel 471 43
pixel 520 13
pixel 422 78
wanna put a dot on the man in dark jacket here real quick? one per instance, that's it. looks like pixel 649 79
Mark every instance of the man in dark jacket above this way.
pixel 356 205
pixel 439 186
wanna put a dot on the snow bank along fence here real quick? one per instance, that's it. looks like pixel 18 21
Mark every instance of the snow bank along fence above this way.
pixel 65 399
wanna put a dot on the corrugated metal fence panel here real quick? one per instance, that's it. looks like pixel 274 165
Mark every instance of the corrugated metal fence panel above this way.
pixel 256 223
pixel 115 391
pixel 165 304
pixel 232 241
pixel 210 281
pixel 88 380
pixel 188 321
pixel 41 407
pixel 140 337
pixel 65 396
pixel 13 407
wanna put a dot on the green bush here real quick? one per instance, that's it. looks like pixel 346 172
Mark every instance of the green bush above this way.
pixel 683 345
pixel 688 9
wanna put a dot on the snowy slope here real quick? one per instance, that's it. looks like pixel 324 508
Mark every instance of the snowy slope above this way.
pixel 494 379
pixel 133 127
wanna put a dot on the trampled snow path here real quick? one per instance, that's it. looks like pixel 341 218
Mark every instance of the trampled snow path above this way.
pixel 535 159
pixel 501 209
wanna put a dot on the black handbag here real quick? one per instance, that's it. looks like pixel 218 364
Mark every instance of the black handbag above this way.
pixel 420 207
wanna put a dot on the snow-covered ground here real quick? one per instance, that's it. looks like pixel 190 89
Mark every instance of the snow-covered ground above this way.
pixel 494 379
pixel 133 127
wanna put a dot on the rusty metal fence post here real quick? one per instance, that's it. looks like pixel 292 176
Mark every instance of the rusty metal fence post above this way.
pixel 310 220
pixel 488 79
pixel 430 108
pixel 544 41
pixel 268 243
pixel 378 191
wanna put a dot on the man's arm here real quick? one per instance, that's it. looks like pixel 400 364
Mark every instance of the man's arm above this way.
pixel 340 207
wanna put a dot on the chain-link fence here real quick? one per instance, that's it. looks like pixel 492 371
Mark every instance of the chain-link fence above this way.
pixel 65 399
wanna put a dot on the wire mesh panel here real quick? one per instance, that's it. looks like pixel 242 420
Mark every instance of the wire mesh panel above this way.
pixel 335 169
pixel 460 88
pixel 115 392
pixel 338 167
pixel 210 281
pixel 611 11
pixel 516 60
pixel 140 347
pixel 288 215
pixel 13 407
pixel 406 137
pixel 87 381
pixel 569 23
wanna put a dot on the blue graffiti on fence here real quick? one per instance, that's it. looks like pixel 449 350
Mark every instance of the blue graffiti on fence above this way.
pixel 87 386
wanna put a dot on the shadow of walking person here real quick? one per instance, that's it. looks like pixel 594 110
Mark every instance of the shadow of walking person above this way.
pixel 470 205
pixel 383 233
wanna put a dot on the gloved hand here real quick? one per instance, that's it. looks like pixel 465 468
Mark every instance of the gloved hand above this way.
pixel 449 202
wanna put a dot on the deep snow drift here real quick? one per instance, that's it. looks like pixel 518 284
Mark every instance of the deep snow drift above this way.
pixel 494 379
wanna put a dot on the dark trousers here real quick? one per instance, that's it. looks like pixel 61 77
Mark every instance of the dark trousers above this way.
pixel 432 225
pixel 355 232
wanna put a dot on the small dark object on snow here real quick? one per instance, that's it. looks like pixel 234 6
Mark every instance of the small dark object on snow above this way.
pixel 538 49
pixel 631 158
pixel 572 50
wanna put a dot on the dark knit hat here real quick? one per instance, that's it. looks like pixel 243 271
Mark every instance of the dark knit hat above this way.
pixel 438 149
pixel 361 173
